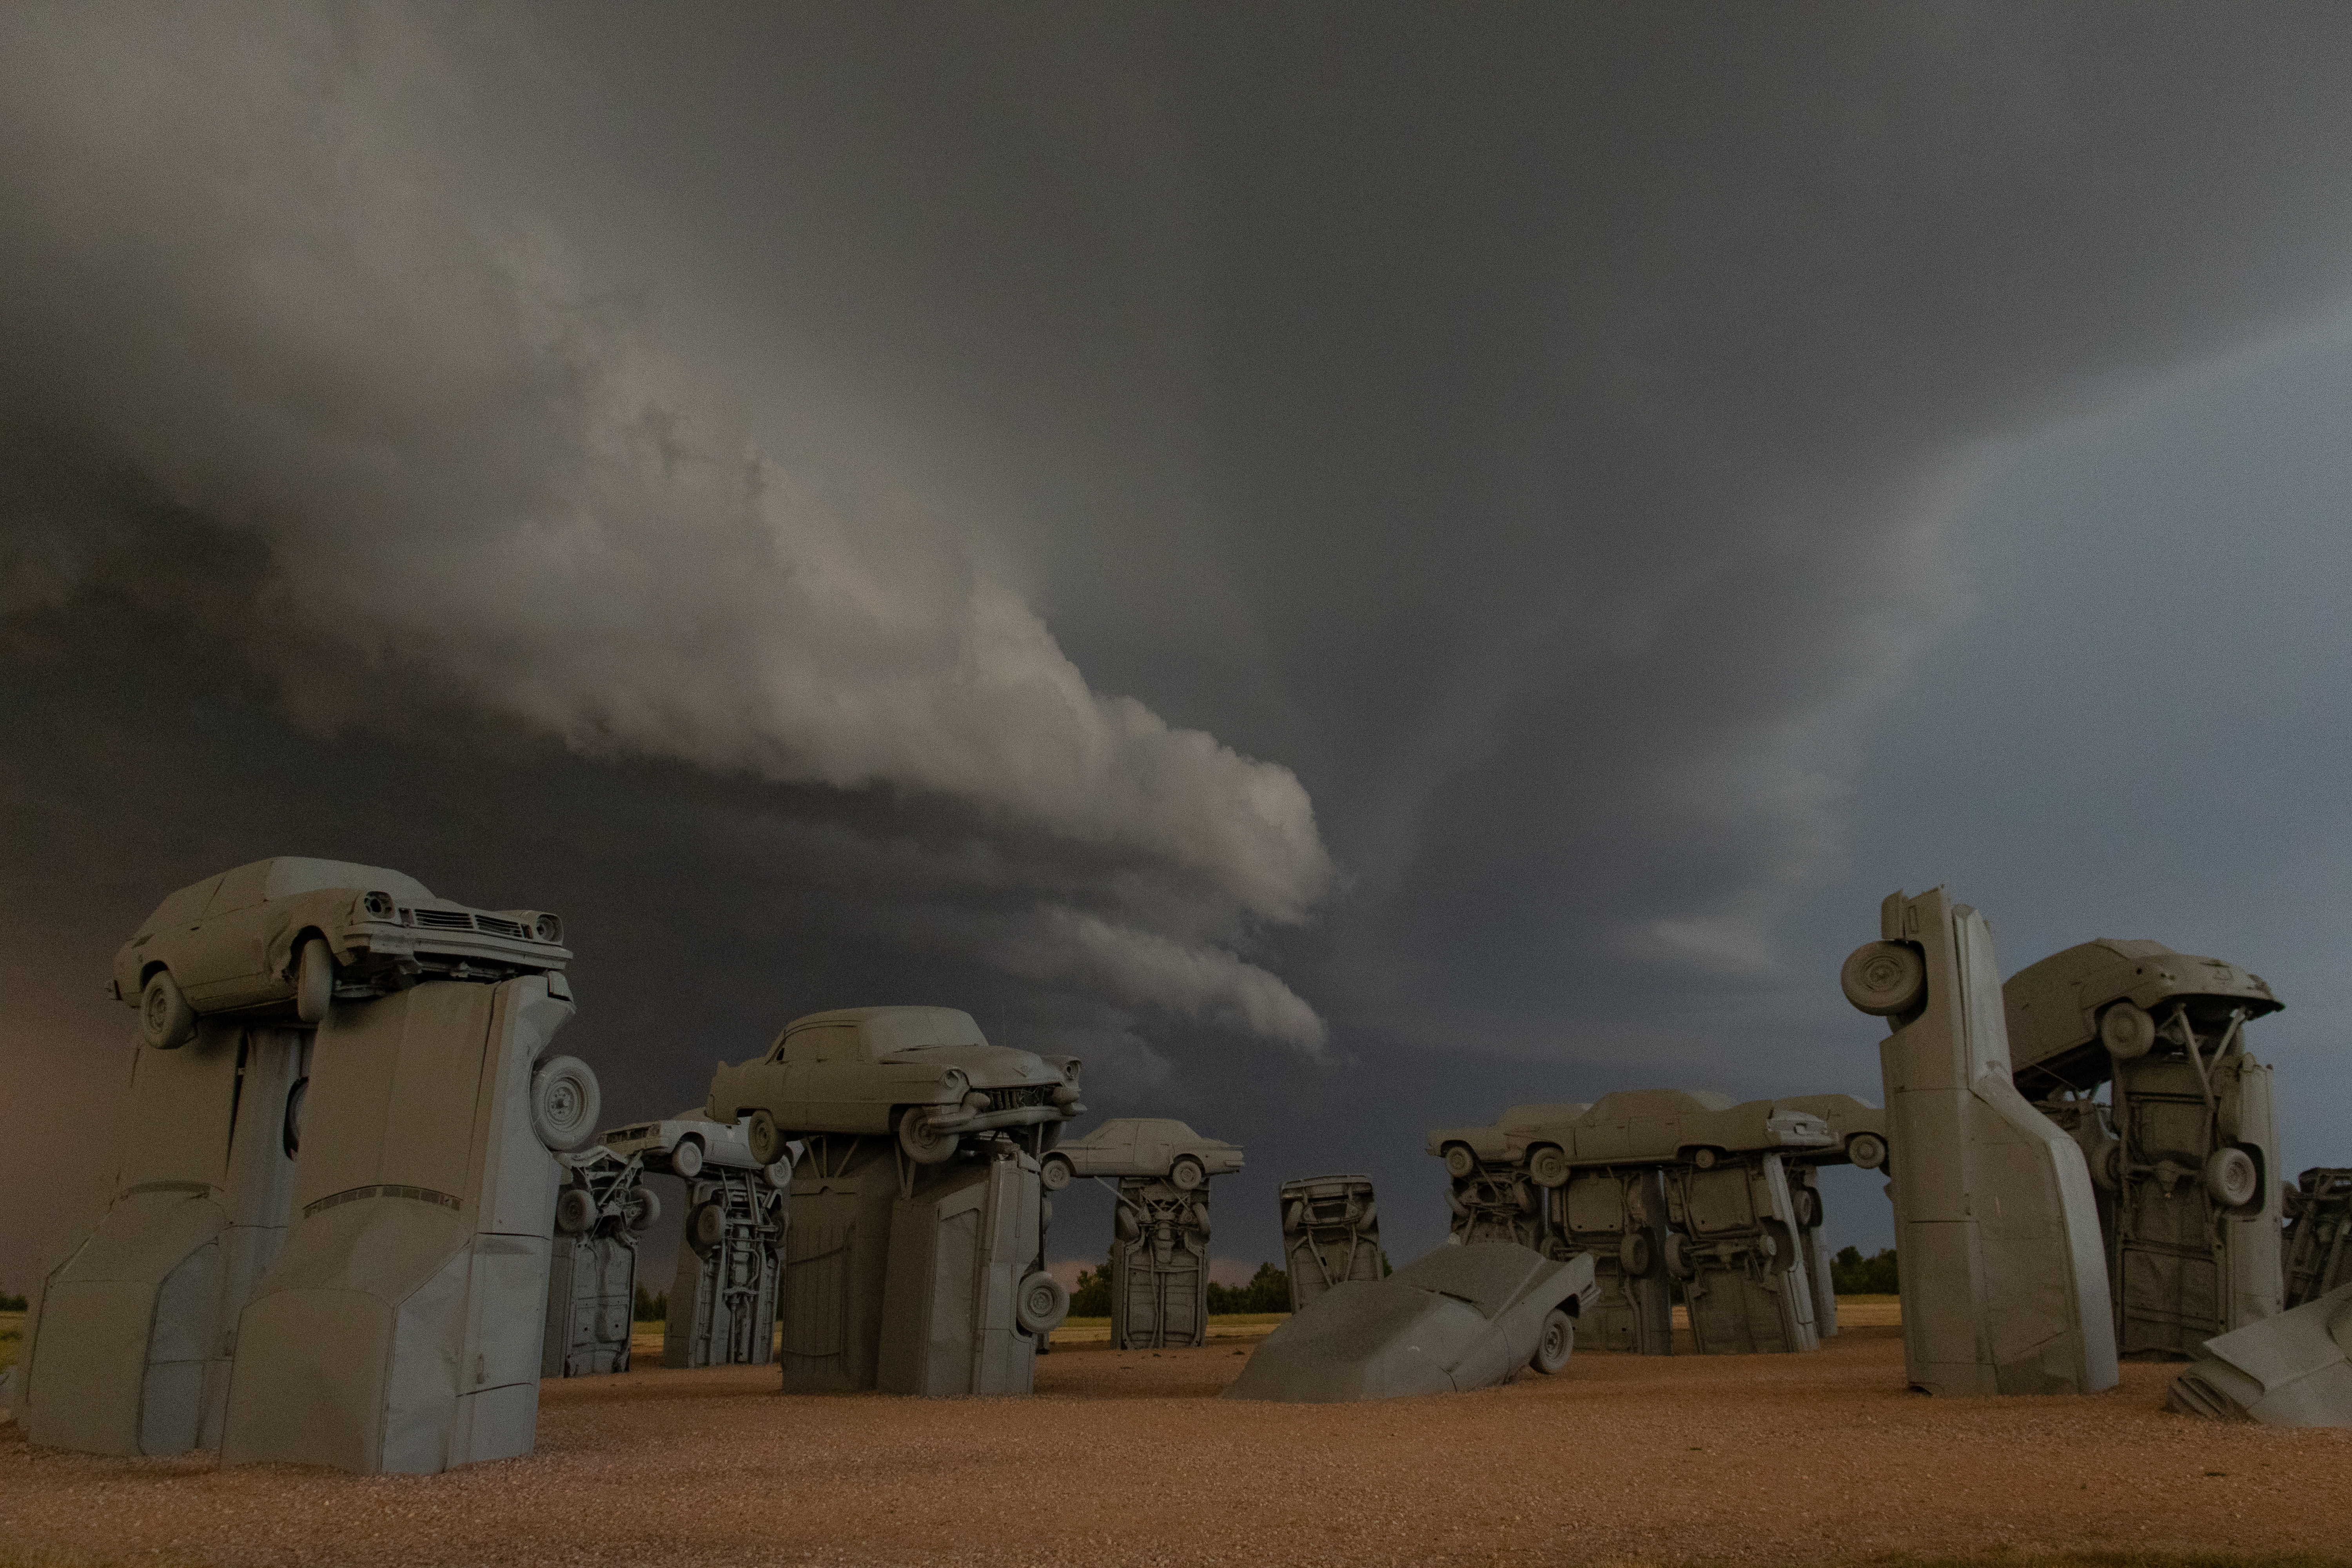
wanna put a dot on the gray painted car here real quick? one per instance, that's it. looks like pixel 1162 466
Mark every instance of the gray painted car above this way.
pixel 926 1075
pixel 1462 1317
pixel 293 934
pixel 1141 1146
pixel 683 1145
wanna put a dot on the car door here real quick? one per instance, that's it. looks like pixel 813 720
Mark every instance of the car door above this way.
pixel 229 950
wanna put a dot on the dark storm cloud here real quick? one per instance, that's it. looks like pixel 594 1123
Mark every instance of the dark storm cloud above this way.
pixel 807 455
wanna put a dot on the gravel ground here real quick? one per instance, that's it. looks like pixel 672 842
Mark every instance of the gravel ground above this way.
pixel 1123 1458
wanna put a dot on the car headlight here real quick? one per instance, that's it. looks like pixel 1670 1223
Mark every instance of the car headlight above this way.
pixel 546 928
pixel 378 904
pixel 952 1083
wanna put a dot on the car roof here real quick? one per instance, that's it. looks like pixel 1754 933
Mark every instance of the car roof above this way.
pixel 280 877
pixel 900 1028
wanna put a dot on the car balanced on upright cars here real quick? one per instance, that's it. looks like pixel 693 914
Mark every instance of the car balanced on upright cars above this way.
pixel 924 1075
pixel 293 934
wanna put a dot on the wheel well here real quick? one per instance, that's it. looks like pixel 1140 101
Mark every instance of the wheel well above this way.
pixel 294 946
pixel 149 970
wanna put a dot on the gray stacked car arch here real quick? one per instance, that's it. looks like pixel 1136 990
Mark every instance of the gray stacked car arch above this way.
pixel 1159 1264
pixel 2004 1287
pixel 1669 1183
pixel 323 1246
pixel 2182 1156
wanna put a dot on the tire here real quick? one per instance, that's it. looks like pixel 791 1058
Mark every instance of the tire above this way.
pixel 1042 1302
pixel 1187 1174
pixel 1704 1159
pixel 166 1020
pixel 2107 1166
pixel 2128 1032
pixel 922 1145
pixel 575 1211
pixel 314 981
pixel 1124 1225
pixel 1806 1204
pixel 1453 1201
pixel 706 1227
pixel 767 1140
pixel 686 1158
pixel 1867 1149
pixel 564 1103
pixel 1884 978
pixel 1054 1172
pixel 1548 1167
pixel 1678 1263
pixel 1633 1254
pixel 1369 1218
pixel 1524 1196
pixel 1554 1342
pixel 1778 1247
pixel 2231 1178
pixel 1200 1220
pixel 641 1210
pixel 1460 1161
pixel 1294 1217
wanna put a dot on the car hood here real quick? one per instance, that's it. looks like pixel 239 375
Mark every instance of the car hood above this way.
pixel 988 1067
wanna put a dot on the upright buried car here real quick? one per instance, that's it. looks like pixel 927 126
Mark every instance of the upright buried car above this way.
pixel 1141 1146
pixel 294 933
pixel 925 1074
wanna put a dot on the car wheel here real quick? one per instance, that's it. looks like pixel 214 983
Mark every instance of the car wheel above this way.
pixel 575 1211
pixel 685 1158
pixel 1187 1174
pixel 314 981
pixel 1633 1254
pixel 1704 1159
pixel 1294 1217
pixel 1678 1259
pixel 1778 1247
pixel 1200 1220
pixel 1867 1149
pixel 1548 1167
pixel 1124 1225
pixel 564 1103
pixel 2107 1165
pixel 2232 1177
pixel 2128 1032
pixel 1053 1172
pixel 1368 1218
pixel 1453 1201
pixel 924 1146
pixel 1042 1303
pixel 706 1227
pixel 1460 1161
pixel 166 1020
pixel 1554 1342
pixel 641 1209
pixel 767 1140
pixel 1883 977
pixel 1806 1204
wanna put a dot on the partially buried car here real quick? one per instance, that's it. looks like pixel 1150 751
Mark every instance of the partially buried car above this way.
pixel 1141 1146
pixel 924 1075
pixel 293 934
pixel 1458 1318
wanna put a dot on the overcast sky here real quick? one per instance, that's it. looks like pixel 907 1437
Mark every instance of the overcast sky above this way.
pixel 1349 566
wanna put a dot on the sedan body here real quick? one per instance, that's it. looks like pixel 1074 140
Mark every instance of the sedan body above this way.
pixel 859 1070
pixel 1140 1146
pixel 231 941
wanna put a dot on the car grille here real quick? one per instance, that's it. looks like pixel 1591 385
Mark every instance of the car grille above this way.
pixel 1016 1098
pixel 444 920
pixel 497 927
pixel 461 920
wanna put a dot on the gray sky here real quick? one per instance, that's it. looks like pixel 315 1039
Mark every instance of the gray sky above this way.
pixel 1348 565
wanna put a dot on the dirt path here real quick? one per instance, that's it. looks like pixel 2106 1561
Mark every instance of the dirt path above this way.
pixel 1123 1458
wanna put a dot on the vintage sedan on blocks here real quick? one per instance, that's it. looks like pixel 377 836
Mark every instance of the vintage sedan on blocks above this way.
pixel 685 1144
pixel 291 934
pixel 1141 1146
pixel 924 1075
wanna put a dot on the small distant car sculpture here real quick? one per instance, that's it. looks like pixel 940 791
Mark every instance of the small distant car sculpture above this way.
pixel 683 1145
pixel 293 934
pixel 1141 1146
pixel 1639 1127
pixel 1458 1318
pixel 926 1075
